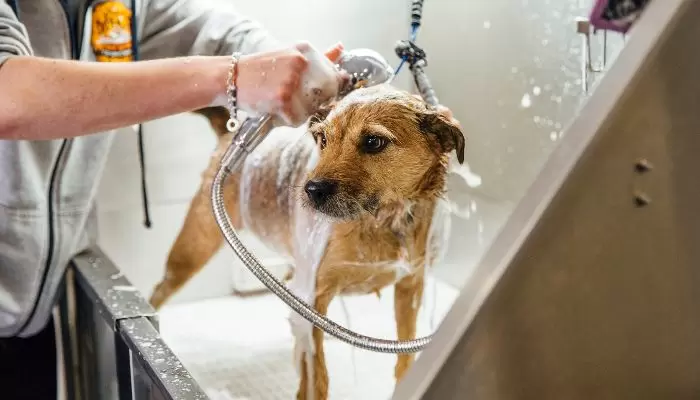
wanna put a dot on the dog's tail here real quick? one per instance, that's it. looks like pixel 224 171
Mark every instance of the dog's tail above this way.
pixel 217 116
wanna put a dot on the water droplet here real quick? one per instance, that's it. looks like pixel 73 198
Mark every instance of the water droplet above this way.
pixel 536 119
pixel 553 136
pixel 536 90
pixel 487 24
pixel 526 102
pixel 125 288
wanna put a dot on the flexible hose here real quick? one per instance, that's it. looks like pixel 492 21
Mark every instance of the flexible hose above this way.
pixel 279 289
pixel 424 86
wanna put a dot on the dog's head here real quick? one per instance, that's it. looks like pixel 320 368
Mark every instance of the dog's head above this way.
pixel 379 147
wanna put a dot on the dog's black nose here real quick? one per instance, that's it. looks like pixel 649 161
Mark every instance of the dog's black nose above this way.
pixel 319 190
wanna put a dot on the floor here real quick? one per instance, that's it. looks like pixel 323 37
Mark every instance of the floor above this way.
pixel 241 348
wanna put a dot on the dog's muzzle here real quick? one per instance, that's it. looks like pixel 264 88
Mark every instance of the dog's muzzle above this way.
pixel 320 190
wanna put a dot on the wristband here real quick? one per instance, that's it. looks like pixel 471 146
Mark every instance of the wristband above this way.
pixel 232 93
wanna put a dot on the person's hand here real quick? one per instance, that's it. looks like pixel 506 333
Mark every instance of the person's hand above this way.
pixel 269 82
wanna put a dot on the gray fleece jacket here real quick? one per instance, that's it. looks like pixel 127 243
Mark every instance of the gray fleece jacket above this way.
pixel 47 188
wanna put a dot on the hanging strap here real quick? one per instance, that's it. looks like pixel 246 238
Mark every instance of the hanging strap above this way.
pixel 142 150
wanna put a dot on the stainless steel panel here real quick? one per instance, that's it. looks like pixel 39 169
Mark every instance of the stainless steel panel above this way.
pixel 115 297
pixel 96 352
pixel 160 374
pixel 592 288
pixel 113 335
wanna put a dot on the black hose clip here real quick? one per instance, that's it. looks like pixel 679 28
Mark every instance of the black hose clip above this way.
pixel 410 52
pixel 416 59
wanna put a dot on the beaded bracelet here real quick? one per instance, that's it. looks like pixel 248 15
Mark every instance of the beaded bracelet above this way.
pixel 232 93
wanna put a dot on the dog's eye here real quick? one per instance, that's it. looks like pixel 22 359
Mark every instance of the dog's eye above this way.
pixel 322 141
pixel 373 144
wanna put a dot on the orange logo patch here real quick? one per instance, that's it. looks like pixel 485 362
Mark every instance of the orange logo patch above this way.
pixel 111 32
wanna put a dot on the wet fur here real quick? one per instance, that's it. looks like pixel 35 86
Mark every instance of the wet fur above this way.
pixel 384 206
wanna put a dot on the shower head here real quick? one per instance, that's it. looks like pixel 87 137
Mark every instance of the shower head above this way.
pixel 366 68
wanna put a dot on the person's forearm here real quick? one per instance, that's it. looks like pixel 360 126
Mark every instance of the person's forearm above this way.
pixel 49 99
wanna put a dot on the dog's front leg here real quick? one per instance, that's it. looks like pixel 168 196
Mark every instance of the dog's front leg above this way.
pixel 315 388
pixel 408 293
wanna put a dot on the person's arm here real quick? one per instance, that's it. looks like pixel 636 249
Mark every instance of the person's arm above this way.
pixel 173 28
pixel 48 99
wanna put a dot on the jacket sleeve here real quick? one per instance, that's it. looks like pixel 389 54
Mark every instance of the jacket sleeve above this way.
pixel 14 40
pixel 171 28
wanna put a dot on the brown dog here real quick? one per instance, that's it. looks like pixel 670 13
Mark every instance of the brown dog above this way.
pixel 352 204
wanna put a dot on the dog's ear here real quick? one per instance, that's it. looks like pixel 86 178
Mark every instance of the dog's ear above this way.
pixel 447 133
pixel 217 116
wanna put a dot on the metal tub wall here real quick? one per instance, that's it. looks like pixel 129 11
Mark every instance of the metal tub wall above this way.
pixel 592 288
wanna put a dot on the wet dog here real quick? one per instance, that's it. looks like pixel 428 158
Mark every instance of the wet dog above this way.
pixel 350 198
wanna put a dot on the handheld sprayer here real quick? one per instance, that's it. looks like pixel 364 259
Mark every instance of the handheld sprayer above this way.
pixel 366 68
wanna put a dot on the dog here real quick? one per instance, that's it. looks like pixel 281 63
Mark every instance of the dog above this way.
pixel 349 197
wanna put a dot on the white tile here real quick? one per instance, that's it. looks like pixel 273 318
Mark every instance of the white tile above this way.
pixel 141 253
pixel 177 150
